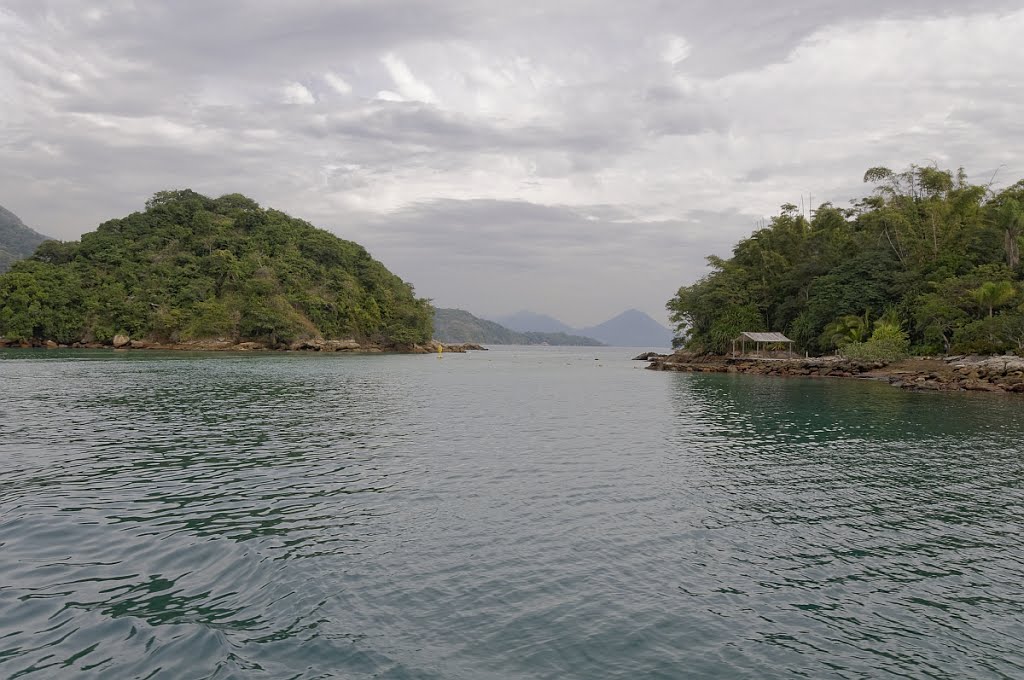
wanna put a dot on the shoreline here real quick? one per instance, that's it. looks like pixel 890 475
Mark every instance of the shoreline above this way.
pixel 966 373
pixel 349 346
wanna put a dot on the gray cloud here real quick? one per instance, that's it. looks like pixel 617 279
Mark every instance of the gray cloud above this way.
pixel 577 157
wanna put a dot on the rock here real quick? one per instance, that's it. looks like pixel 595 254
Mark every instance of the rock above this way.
pixel 649 356
pixel 314 344
pixel 121 341
pixel 138 344
pixel 980 386
pixel 346 345
pixel 249 346
pixel 50 344
pixel 464 347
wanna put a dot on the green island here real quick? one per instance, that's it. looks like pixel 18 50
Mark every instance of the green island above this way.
pixel 458 325
pixel 927 265
pixel 210 273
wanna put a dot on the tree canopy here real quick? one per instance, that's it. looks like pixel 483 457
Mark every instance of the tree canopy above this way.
pixel 928 259
pixel 193 267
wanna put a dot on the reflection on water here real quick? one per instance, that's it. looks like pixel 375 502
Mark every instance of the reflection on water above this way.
pixel 875 525
pixel 530 513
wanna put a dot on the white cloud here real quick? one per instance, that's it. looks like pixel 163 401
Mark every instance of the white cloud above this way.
pixel 337 83
pixel 611 107
pixel 297 93
pixel 676 50
pixel 410 87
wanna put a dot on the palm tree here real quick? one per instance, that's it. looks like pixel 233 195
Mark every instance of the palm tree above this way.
pixel 993 294
pixel 847 329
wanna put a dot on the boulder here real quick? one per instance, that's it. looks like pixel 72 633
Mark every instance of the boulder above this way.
pixel 121 341
pixel 463 347
pixel 347 345
pixel 980 386
pixel 315 344
pixel 138 344
pixel 649 356
pixel 50 344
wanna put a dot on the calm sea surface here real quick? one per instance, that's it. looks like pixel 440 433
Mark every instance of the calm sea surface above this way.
pixel 519 513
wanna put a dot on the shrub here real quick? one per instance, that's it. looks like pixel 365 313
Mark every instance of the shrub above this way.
pixel 888 343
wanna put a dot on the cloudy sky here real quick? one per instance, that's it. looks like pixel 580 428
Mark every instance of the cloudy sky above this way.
pixel 573 158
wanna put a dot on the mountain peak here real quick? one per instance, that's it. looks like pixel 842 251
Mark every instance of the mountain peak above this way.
pixel 631 328
pixel 525 321
pixel 17 241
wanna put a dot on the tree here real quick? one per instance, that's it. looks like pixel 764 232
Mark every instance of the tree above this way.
pixel 994 294
pixel 1011 218
pixel 846 329
pixel 191 267
pixel 927 244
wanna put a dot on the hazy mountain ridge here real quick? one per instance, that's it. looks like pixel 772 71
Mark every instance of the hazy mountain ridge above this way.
pixel 17 241
pixel 525 321
pixel 458 325
pixel 631 328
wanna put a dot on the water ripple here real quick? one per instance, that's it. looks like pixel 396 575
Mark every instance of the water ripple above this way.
pixel 512 514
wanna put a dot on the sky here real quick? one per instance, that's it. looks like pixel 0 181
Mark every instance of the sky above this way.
pixel 572 158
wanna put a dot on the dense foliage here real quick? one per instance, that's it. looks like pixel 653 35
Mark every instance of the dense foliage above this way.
pixel 457 325
pixel 16 240
pixel 928 263
pixel 192 267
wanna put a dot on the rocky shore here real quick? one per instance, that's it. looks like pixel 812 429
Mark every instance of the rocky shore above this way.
pixel 123 342
pixel 953 373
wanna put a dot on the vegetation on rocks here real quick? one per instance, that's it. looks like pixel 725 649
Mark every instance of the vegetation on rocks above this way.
pixel 928 263
pixel 191 267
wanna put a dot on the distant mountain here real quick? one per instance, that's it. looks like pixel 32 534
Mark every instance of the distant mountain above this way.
pixel 458 325
pixel 16 240
pixel 524 321
pixel 632 328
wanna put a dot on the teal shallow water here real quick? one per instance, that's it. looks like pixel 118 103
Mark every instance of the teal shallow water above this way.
pixel 519 513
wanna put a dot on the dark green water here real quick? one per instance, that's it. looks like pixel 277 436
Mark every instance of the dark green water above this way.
pixel 519 513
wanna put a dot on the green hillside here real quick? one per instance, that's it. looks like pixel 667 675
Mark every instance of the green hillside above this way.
pixel 16 240
pixel 928 263
pixel 457 325
pixel 191 267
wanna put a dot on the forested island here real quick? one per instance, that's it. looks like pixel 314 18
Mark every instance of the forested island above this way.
pixel 190 268
pixel 458 325
pixel 929 263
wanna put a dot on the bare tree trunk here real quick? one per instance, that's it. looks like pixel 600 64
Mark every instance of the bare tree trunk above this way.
pixel 1012 248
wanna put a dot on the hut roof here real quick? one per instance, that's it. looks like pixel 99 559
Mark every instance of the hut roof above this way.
pixel 764 337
